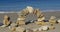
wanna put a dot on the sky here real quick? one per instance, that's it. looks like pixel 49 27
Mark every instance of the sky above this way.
pixel 17 5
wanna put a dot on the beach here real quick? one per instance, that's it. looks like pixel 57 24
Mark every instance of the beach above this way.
pixel 14 16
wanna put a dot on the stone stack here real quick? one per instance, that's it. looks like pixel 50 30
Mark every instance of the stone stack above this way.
pixel 6 21
pixel 21 20
pixel 52 20
pixel 33 26
pixel 37 12
pixel 40 19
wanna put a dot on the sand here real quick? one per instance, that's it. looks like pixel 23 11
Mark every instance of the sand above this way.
pixel 14 16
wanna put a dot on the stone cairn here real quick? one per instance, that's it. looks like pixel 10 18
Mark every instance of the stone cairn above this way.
pixel 18 26
pixel 21 20
pixel 6 21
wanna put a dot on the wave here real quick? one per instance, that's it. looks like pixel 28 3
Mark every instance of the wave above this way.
pixel 9 12
pixel 19 11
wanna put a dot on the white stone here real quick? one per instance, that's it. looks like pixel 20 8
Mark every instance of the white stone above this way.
pixel 3 26
pixel 30 9
pixel 40 19
pixel 35 29
pixel 21 19
pixel 44 27
pixel 59 21
pixel 53 17
pixel 40 29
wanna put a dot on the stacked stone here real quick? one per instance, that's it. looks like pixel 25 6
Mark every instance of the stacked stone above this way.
pixel 40 16
pixel 6 21
pixel 40 20
pixel 18 26
pixel 21 20
pixel 37 12
pixel 26 11
pixel 52 20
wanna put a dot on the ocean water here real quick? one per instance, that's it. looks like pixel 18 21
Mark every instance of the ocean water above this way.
pixel 17 5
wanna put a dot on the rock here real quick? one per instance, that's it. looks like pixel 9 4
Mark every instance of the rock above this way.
pixel 3 26
pixel 42 23
pixel 13 29
pixel 52 20
pixel 24 12
pixel 20 23
pixel 38 23
pixel 51 27
pixel 29 30
pixel 37 31
pixel 40 29
pixel 41 19
pixel 20 29
pixel 30 9
pixel 6 21
pixel 58 21
pixel 45 28
pixel 52 17
pixel 21 20
pixel 12 25
pixel 37 12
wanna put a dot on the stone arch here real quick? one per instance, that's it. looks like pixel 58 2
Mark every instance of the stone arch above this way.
pixel 31 14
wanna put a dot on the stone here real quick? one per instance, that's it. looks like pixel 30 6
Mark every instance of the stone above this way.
pixel 37 31
pixel 30 9
pixel 21 20
pixel 45 28
pixel 52 20
pixel 40 28
pixel 20 23
pixel 38 23
pixel 37 12
pixel 42 23
pixel 29 30
pixel 12 25
pixel 3 25
pixel 41 19
pixel 24 12
pixel 13 29
pixel 20 29
pixel 6 17
pixel 51 27
pixel 52 17
pixel 6 21
pixel 58 20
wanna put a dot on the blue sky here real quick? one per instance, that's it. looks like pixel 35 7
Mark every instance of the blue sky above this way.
pixel 16 5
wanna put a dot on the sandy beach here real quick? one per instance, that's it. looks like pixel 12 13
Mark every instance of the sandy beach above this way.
pixel 14 16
